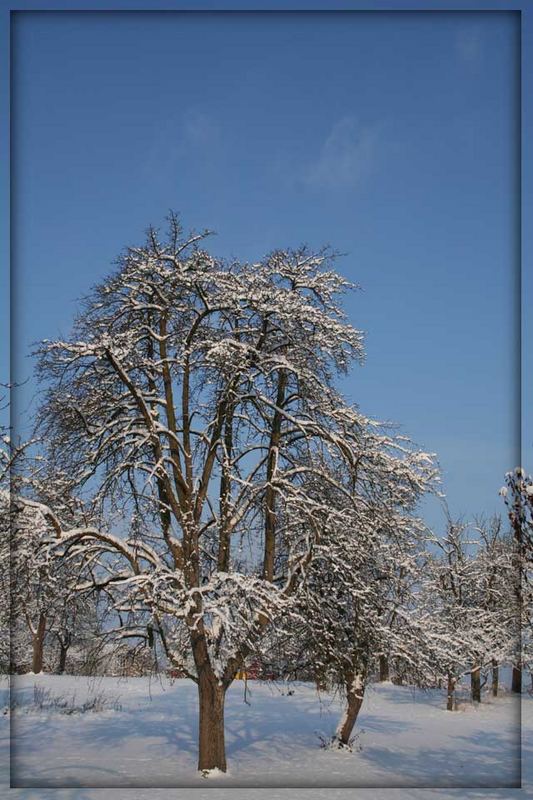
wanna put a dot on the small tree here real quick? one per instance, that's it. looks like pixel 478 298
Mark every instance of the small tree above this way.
pixel 357 600
pixel 446 596
pixel 518 497
pixel 11 455
pixel 5 600
pixel 39 594
pixel 463 593
pixel 493 569
pixel 75 627
pixel 46 601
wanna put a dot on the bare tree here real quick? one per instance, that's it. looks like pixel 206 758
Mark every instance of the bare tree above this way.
pixel 198 395
pixel 464 592
pixel 46 597
pixel 494 570
pixel 358 599
pixel 518 497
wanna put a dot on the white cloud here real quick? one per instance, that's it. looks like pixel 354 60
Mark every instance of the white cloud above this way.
pixel 345 157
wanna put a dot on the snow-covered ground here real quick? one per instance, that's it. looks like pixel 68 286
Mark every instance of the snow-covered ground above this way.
pixel 143 735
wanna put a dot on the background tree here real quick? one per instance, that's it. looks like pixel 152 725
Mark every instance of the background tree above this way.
pixel 47 600
pixel 446 595
pixel 493 571
pixel 349 607
pixel 40 593
pixel 6 456
pixel 518 497
pixel 465 593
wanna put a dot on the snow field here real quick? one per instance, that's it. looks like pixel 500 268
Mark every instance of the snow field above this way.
pixel 142 734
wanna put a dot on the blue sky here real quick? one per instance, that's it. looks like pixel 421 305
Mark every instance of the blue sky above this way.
pixel 392 137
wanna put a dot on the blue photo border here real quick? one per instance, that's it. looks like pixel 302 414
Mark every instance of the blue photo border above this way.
pixel 524 325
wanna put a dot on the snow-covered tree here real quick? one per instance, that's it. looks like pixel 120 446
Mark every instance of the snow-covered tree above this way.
pixel 518 497
pixel 199 395
pixel 463 593
pixel 493 569
pixel 46 602
pixel 75 629
pixel 41 593
pixel 31 587
pixel 5 602
pixel 358 601
pixel 12 456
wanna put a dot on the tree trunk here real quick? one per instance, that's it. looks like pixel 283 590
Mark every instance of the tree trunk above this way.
pixel 211 745
pixel 475 684
pixel 355 689
pixel 383 669
pixel 63 650
pixel 38 646
pixel 516 683
pixel 64 644
pixel 398 673
pixel 495 677
pixel 450 699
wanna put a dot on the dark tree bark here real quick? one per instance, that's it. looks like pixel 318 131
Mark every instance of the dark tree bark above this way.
pixel 450 698
pixel 64 644
pixel 397 672
pixel 495 677
pixel 516 682
pixel 475 684
pixel 211 744
pixel 63 650
pixel 384 674
pixel 355 689
pixel 38 646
